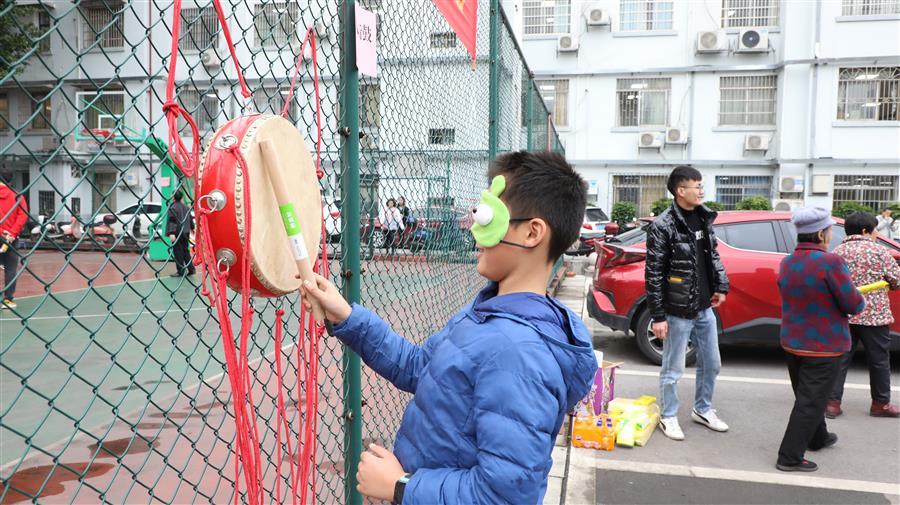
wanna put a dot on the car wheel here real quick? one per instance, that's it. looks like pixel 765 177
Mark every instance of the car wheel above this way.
pixel 651 346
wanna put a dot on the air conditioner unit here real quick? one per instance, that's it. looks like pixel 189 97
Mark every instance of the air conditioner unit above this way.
pixel 650 140
pixel 786 205
pixel 790 184
pixel 753 40
pixel 712 41
pixel 130 179
pixel 756 142
pixel 49 143
pixel 210 59
pixel 596 15
pixel 676 135
pixel 567 43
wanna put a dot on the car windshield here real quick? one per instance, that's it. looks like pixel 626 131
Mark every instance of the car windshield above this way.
pixel 595 214
pixel 631 237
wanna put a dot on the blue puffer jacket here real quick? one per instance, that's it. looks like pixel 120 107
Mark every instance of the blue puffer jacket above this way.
pixel 491 390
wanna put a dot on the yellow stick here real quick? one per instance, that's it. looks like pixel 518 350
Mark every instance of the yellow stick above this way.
pixel 289 219
pixel 873 287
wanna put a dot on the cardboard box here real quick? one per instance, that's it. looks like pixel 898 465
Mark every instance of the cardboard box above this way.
pixel 603 390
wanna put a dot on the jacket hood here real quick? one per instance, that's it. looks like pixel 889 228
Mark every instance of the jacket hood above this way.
pixel 566 336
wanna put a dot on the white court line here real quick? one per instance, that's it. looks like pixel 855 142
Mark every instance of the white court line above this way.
pixel 731 378
pixel 105 314
pixel 588 458
pixel 89 287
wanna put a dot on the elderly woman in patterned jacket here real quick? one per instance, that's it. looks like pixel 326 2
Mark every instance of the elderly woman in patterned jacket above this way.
pixel 869 262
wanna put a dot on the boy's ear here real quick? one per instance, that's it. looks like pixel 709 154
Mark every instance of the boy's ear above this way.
pixel 538 232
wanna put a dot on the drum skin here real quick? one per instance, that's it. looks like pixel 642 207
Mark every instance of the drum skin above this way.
pixel 272 263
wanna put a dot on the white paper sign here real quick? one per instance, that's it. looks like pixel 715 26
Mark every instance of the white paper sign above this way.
pixel 366 57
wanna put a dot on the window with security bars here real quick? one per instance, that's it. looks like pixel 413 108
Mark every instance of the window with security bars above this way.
pixel 203 109
pixel 4 111
pixel 875 191
pixel 100 110
pixel 271 101
pixel 100 24
pixel 747 100
pixel 40 104
pixel 869 94
pixel 546 17
pixel 276 24
pixel 76 206
pixel 641 190
pixel 749 13
pixel 441 136
pixel 46 203
pixel 870 7
pixel 556 96
pixel 199 29
pixel 645 15
pixel 643 102
pixel 443 40
pixel 731 189
pixel 44 31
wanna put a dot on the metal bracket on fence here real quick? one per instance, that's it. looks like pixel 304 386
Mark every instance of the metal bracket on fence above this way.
pixel 345 131
pixel 346 274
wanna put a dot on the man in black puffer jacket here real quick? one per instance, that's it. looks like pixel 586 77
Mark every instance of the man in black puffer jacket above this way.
pixel 685 281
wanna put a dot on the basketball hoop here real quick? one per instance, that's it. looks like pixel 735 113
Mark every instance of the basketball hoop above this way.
pixel 100 134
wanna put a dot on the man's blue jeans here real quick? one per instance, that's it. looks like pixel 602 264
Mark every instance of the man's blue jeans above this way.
pixel 704 334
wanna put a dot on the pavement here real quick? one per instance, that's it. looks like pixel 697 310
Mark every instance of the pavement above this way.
pixel 753 395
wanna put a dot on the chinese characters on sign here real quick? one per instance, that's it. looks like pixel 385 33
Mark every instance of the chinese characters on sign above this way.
pixel 366 57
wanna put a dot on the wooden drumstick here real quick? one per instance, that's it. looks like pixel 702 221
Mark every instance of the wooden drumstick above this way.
pixel 289 218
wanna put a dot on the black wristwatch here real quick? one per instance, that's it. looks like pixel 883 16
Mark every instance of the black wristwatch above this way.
pixel 400 488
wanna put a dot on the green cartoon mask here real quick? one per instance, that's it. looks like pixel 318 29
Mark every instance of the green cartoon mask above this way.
pixel 491 216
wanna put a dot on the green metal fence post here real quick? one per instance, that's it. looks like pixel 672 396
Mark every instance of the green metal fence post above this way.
pixel 529 105
pixel 350 262
pixel 494 100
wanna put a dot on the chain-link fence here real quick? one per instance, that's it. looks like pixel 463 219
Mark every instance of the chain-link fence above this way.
pixel 112 373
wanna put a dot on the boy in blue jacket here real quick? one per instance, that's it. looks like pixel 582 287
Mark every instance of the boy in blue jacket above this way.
pixel 490 389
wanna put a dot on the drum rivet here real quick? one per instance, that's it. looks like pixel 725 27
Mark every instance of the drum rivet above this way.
pixel 217 200
pixel 226 141
pixel 226 257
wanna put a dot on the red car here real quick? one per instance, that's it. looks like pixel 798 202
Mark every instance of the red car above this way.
pixel 751 244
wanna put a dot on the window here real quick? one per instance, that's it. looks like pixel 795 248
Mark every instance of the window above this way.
pixel 104 26
pixel 595 214
pixel 443 40
pixel 749 13
pixel 641 190
pixel 76 207
pixel 46 204
pixel 759 236
pixel 199 29
pixel 44 31
pixel 370 106
pixel 838 234
pixel 271 101
pixel 4 111
pixel 876 191
pixel 871 7
pixel 276 24
pixel 645 15
pixel 556 97
pixel 731 189
pixel 747 100
pixel 441 136
pixel 643 102
pixel 542 17
pixel 203 111
pixel 101 110
pixel 41 105
pixel 869 94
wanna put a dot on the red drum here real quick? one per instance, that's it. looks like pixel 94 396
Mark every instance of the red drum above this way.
pixel 221 187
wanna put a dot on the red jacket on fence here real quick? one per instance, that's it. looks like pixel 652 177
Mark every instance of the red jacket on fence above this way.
pixel 13 211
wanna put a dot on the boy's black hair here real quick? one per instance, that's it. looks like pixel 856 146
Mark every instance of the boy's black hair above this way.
pixel 178 196
pixel 808 238
pixel 681 174
pixel 544 185
pixel 858 222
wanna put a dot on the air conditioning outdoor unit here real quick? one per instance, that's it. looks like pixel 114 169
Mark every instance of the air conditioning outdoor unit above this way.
pixel 786 205
pixel 49 143
pixel 712 41
pixel 596 15
pixel 753 40
pixel 756 142
pixel 676 135
pixel 791 184
pixel 650 140
pixel 210 59
pixel 130 179
pixel 567 43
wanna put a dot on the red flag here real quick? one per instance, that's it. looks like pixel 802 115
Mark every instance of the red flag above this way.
pixel 462 15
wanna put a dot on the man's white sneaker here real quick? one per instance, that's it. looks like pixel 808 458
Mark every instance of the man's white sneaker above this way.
pixel 709 419
pixel 670 428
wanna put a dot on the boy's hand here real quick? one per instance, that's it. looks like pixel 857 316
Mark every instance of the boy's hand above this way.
pixel 379 471
pixel 337 310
